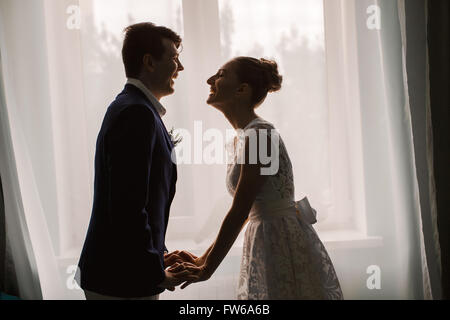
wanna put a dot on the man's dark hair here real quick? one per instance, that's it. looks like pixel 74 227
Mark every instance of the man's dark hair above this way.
pixel 144 38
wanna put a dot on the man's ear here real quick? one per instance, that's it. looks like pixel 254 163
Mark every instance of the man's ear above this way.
pixel 148 62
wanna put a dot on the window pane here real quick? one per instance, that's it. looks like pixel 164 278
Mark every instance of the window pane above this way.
pixel 261 27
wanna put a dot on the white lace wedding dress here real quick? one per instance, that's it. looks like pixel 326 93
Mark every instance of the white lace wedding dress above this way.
pixel 283 258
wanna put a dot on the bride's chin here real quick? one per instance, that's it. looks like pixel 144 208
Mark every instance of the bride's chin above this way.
pixel 212 104
pixel 210 100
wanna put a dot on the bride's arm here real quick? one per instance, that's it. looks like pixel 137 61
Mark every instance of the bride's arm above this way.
pixel 206 254
pixel 249 185
pixel 202 259
pixel 250 182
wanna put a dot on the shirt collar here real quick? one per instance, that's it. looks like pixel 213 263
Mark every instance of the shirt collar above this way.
pixel 138 83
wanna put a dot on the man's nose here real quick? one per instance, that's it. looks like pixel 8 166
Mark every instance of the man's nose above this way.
pixel 210 80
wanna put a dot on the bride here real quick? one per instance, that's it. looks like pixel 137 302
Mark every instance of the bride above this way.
pixel 283 257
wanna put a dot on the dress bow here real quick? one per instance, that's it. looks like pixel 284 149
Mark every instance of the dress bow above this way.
pixel 306 211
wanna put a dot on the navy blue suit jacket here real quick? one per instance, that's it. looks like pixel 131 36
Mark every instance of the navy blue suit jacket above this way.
pixel 123 254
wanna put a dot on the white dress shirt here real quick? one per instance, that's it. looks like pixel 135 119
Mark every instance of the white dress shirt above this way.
pixel 138 84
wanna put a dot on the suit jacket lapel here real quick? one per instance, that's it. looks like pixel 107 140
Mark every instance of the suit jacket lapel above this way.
pixel 149 103
pixel 166 135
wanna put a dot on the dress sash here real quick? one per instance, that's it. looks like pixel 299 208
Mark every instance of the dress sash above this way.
pixel 263 210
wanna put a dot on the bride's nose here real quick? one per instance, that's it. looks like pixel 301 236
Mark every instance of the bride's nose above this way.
pixel 210 81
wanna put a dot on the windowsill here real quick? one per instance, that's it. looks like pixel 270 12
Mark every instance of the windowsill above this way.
pixel 349 239
pixel 333 240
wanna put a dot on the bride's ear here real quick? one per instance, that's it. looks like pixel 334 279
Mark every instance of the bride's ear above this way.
pixel 147 60
pixel 244 88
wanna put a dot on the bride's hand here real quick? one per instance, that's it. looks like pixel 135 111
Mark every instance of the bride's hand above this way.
pixel 178 257
pixel 197 273
pixel 183 256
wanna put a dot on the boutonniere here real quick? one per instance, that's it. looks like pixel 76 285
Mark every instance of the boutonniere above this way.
pixel 176 138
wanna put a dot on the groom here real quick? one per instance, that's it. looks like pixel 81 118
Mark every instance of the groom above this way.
pixel 123 254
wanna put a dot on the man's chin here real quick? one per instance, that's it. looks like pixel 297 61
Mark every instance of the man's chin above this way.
pixel 169 91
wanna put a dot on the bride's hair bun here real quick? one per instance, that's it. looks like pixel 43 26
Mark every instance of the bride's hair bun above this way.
pixel 261 75
pixel 273 78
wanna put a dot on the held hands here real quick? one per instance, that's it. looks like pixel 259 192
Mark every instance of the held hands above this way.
pixel 196 273
pixel 184 267
pixel 182 256
pixel 173 280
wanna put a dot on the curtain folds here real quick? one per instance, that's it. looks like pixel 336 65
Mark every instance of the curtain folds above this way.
pixel 17 257
pixel 414 31
pixel 438 36
pixel 8 279
pixel 22 103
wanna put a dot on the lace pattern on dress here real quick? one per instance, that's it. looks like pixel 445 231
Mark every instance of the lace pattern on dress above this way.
pixel 283 257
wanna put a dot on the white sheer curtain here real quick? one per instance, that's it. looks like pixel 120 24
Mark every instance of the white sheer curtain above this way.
pixel 27 150
pixel 342 113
